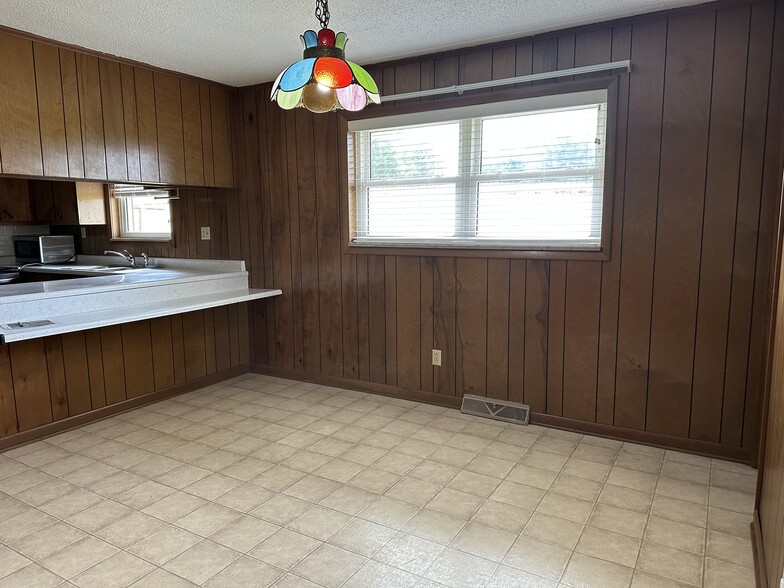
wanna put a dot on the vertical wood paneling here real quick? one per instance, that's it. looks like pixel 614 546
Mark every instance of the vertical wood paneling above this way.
pixel 8 423
pixel 471 326
pixel 516 321
pixel 426 323
pixel 55 366
pixel 146 124
pixel 221 137
pixel 91 113
pixel 611 271
pixel 138 357
pixel 95 369
pixel 195 346
pixel 328 223
pixel 408 347
pixel 581 342
pixel 53 378
pixel 633 341
pixel 20 139
pixel 130 121
pixel 498 336
pixel 30 385
pixel 113 119
pixel 643 146
pixel 678 223
pixel 377 344
pixel 77 373
pixel 390 319
pixel 192 132
pixel 113 364
pixel 73 117
pixel 163 352
pixel 168 118
pixel 51 113
pixel 721 203
pixel 206 134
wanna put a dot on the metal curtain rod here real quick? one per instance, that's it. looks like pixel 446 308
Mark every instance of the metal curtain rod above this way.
pixel 548 75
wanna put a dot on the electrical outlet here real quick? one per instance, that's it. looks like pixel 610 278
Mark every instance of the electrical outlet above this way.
pixel 437 357
pixel 205 233
pixel 84 233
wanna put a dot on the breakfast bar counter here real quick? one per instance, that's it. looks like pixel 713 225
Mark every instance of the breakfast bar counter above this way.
pixel 98 294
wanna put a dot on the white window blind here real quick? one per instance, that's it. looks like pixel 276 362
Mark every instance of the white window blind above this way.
pixel 527 174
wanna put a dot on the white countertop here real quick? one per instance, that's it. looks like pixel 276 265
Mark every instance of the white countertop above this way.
pixel 173 286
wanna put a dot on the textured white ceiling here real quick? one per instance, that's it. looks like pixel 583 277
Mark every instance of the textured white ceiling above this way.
pixel 241 42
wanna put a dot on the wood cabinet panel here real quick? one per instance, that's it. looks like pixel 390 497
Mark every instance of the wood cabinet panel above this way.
pixel 91 110
pixel 31 384
pixel 73 117
pixel 14 201
pixel 20 139
pixel 192 132
pixel 168 115
pixel 129 118
pixel 221 137
pixel 113 120
pixel 51 113
pixel 147 125
pixel 65 113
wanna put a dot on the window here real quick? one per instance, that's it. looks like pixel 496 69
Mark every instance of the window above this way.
pixel 142 213
pixel 524 174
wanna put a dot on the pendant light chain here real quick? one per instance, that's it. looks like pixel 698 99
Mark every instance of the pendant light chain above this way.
pixel 322 13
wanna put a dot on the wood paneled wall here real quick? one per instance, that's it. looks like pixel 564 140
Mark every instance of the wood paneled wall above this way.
pixel 664 340
pixel 68 114
pixel 43 381
pixel 196 208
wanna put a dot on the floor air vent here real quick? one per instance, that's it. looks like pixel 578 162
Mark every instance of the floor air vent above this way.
pixel 499 410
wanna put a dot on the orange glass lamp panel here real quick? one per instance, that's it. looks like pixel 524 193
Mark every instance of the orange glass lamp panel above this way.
pixel 332 72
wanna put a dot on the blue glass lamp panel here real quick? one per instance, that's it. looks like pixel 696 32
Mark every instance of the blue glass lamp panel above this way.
pixel 297 75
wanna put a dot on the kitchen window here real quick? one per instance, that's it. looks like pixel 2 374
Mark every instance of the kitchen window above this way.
pixel 518 175
pixel 142 214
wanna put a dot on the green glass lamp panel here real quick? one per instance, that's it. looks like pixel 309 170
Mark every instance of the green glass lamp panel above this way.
pixel 363 78
pixel 289 100
pixel 340 40
pixel 297 75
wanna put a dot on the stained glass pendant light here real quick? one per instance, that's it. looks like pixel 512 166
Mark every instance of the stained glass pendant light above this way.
pixel 323 80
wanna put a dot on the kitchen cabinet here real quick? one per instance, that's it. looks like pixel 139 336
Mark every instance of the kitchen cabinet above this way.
pixel 67 203
pixel 52 203
pixel 71 114
pixel 14 201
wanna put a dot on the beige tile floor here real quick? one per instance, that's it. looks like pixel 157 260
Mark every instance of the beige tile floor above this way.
pixel 267 482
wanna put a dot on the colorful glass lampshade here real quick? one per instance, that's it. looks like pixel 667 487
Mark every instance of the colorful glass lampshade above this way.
pixel 323 80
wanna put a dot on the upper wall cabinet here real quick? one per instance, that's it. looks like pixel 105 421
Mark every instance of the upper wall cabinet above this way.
pixel 66 114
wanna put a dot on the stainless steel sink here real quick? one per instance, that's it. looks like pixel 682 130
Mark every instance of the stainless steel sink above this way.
pixel 116 270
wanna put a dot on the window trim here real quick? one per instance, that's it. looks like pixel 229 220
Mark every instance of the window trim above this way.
pixel 348 181
pixel 117 235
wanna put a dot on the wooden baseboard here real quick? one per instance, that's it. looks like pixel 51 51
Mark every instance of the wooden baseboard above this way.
pixel 706 448
pixel 760 571
pixel 688 445
pixel 107 411
pixel 359 385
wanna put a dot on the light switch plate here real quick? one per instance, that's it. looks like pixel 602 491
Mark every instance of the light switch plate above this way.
pixel 84 233
pixel 205 234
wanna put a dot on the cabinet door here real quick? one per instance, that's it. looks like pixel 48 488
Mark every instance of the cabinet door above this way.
pixel 42 201
pixel 64 197
pixel 14 200
pixel 20 137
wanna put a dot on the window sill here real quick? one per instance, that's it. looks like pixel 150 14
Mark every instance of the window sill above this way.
pixel 140 240
pixel 484 252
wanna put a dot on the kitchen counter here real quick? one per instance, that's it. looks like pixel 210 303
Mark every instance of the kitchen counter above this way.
pixel 173 286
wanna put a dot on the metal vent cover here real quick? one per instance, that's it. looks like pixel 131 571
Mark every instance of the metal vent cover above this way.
pixel 499 410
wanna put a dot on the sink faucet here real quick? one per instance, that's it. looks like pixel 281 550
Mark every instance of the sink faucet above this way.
pixel 125 255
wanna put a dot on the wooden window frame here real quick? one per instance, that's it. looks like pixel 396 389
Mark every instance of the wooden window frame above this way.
pixel 348 180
